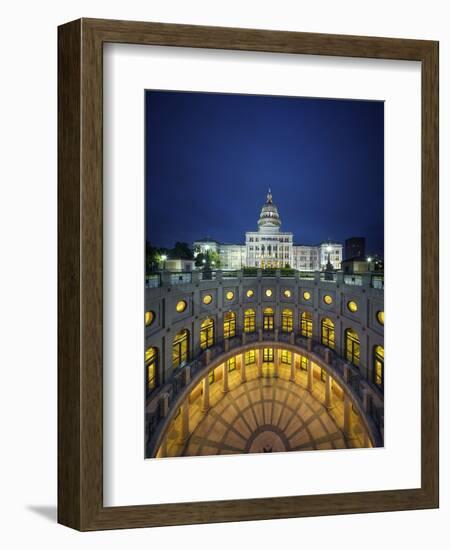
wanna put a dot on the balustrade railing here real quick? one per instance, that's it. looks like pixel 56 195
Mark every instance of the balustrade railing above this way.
pixel 163 278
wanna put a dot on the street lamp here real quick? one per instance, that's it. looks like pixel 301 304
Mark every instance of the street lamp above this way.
pixel 163 259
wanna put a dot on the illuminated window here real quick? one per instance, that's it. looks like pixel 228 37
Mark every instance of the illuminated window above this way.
pixel 207 334
pixel 306 295
pixel 211 377
pixel 149 318
pixel 180 349
pixel 303 362
pixel 268 292
pixel 181 306
pixel 207 299
pixel 286 320
pixel 268 355
pixel 306 324
pixel 249 320
pixel 286 357
pixel 151 365
pixel 352 306
pixel 287 293
pixel 328 299
pixel 229 295
pixel 328 338
pixel 352 351
pixel 268 319
pixel 380 317
pixel 229 325
pixel 250 293
pixel 378 366
pixel 250 357
pixel 231 364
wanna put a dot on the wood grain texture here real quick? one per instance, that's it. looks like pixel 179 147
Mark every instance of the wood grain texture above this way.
pixel 80 263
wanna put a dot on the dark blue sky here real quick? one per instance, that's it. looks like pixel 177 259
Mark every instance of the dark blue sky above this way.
pixel 211 158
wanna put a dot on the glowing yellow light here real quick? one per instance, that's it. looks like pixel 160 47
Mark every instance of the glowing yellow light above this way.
pixel 306 295
pixel 229 295
pixel 250 293
pixel 268 292
pixel 352 306
pixel 149 318
pixel 380 317
pixel 181 306
pixel 287 293
pixel 207 299
pixel 328 299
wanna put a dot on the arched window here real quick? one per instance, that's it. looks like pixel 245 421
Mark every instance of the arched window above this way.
pixel 229 324
pixel 352 351
pixel 250 357
pixel 231 364
pixel 306 324
pixel 207 334
pixel 249 320
pixel 286 320
pixel 328 337
pixel 268 319
pixel 151 367
pixel 268 355
pixel 378 365
pixel 180 349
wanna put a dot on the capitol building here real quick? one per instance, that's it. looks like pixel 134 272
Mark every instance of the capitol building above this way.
pixel 269 247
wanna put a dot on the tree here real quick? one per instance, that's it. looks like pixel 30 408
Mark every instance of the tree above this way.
pixel 211 259
pixel 182 250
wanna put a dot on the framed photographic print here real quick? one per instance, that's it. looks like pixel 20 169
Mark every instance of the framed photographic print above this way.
pixel 237 210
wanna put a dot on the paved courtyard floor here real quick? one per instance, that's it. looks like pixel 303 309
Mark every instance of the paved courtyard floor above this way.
pixel 269 414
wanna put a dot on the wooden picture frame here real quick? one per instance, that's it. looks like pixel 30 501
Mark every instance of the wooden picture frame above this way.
pixel 80 272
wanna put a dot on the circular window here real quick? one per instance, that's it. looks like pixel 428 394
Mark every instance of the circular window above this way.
pixel 250 293
pixel 268 292
pixel 380 317
pixel 352 306
pixel 287 293
pixel 149 318
pixel 207 299
pixel 229 295
pixel 306 295
pixel 181 306
pixel 328 299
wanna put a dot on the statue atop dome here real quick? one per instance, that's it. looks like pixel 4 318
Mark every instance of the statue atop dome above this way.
pixel 269 219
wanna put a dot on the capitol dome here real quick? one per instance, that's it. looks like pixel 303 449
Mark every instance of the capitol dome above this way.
pixel 269 217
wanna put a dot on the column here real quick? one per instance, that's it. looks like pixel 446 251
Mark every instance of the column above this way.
pixel 276 362
pixel 260 362
pixel 163 448
pixel 310 375
pixel 366 440
pixel 328 392
pixel 348 428
pixel 243 368
pixel 205 394
pixel 225 378
pixel 292 377
pixel 184 431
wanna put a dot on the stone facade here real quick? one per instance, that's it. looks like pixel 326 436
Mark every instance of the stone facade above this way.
pixel 167 321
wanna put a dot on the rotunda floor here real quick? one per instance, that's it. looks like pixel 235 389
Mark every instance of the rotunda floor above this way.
pixel 263 415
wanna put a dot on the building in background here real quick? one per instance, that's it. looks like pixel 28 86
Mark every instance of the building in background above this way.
pixel 269 247
pixel 355 248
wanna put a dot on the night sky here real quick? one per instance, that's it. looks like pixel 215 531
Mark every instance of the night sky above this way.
pixel 210 159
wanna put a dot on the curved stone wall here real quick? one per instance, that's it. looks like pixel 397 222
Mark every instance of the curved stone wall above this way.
pixel 312 293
